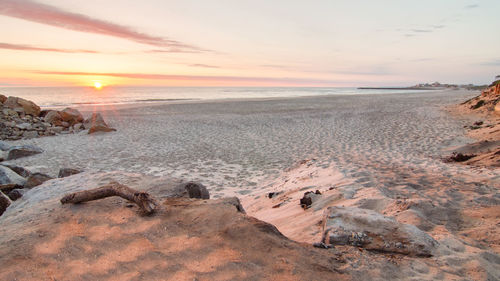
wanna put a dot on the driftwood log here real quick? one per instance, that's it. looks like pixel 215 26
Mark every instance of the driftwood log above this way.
pixel 145 202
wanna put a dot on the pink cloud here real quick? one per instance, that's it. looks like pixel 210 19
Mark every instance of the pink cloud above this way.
pixel 20 47
pixel 241 79
pixel 50 15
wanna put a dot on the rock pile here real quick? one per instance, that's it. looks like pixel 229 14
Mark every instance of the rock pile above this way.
pixel 23 119
pixel 14 180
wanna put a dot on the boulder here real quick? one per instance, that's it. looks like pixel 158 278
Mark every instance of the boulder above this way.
pixel 28 107
pixel 196 190
pixel 97 124
pixel 2 98
pixel 36 179
pixel 7 176
pixel 66 172
pixel 191 190
pixel 18 170
pixel 15 194
pixel 71 115
pixel 4 203
pixel 22 151
pixel 373 231
pixel 53 117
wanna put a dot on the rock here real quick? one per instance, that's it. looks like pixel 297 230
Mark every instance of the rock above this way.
pixel 15 194
pixel 36 179
pixel 66 172
pixel 30 134
pixel 2 98
pixel 6 188
pixel 191 190
pixel 10 112
pixel 18 170
pixel 197 190
pixel 24 126
pixel 56 130
pixel 7 176
pixel 65 124
pixel 497 108
pixel 78 126
pixel 373 231
pixel 53 117
pixel 4 146
pixel 308 199
pixel 272 194
pixel 27 106
pixel 4 203
pixel 22 151
pixel 71 115
pixel 97 124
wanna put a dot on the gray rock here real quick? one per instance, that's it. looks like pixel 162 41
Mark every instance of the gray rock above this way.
pixel 18 170
pixel 30 134
pixel 7 176
pixel 36 179
pixel 4 203
pixel 4 146
pixel 10 112
pixel 66 172
pixel 22 151
pixel 24 126
pixel 373 231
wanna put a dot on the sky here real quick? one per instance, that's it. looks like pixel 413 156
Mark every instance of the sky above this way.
pixel 248 43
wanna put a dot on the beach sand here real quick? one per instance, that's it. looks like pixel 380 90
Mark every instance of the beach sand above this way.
pixel 378 152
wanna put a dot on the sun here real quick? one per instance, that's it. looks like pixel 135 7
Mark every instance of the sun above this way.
pixel 97 85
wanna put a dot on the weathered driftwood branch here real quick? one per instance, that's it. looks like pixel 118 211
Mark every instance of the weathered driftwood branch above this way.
pixel 142 199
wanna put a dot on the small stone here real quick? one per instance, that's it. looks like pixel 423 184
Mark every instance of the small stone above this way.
pixel 23 151
pixel 36 179
pixel 66 172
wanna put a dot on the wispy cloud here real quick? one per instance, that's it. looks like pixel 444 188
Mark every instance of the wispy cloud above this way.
pixel 203 65
pixel 50 15
pixel 21 47
pixel 472 6
pixel 151 76
pixel 495 62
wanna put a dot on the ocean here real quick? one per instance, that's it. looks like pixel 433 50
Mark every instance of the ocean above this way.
pixel 56 97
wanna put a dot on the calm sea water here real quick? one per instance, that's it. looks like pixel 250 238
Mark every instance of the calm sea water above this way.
pixel 74 96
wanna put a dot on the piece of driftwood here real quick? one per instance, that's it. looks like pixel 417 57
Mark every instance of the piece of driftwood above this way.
pixel 145 202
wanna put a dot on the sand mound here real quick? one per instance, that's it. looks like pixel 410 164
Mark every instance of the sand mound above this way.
pixel 189 239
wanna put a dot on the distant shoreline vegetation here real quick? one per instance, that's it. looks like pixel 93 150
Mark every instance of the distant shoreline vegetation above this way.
pixel 429 86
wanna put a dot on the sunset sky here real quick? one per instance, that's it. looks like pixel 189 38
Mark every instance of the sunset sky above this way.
pixel 248 43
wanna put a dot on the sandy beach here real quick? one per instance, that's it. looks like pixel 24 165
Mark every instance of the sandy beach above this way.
pixel 233 145
pixel 377 152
